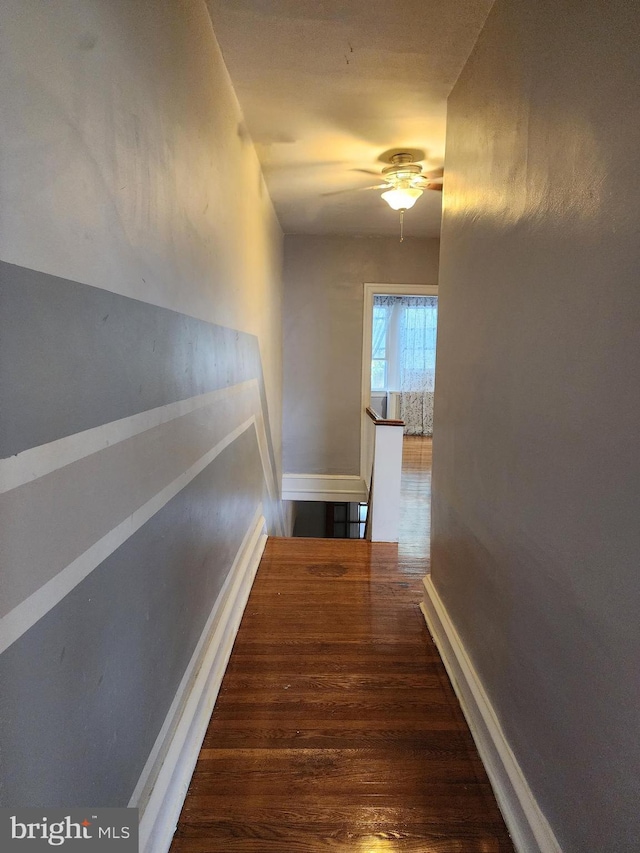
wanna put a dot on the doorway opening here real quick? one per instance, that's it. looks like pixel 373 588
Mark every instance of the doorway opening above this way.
pixel 398 356
pixel 330 519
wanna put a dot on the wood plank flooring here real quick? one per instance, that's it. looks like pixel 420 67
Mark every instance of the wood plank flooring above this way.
pixel 336 728
pixel 415 507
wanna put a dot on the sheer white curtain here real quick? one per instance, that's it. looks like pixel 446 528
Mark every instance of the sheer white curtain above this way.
pixel 418 363
pixel 404 355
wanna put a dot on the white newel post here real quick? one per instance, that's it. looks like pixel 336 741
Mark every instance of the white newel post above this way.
pixel 384 505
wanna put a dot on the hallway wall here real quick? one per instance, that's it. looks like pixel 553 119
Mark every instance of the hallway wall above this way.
pixel 322 339
pixel 536 466
pixel 140 362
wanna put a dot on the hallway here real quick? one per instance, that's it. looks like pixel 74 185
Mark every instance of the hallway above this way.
pixel 336 728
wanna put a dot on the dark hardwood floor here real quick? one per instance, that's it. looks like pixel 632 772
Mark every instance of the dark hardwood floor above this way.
pixel 336 728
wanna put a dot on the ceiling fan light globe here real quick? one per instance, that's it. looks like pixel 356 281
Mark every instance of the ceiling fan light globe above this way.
pixel 402 199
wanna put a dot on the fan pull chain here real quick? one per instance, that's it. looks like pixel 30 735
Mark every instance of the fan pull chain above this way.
pixel 401 225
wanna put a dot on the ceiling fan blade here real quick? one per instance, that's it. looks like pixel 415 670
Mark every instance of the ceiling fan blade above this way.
pixel 434 174
pixel 358 189
pixel 366 172
pixel 423 182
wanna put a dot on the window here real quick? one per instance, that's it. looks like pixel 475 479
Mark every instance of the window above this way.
pixel 403 343
pixel 346 520
pixel 379 348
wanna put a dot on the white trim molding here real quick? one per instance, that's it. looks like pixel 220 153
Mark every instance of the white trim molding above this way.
pixel 530 830
pixel 165 779
pixel 322 487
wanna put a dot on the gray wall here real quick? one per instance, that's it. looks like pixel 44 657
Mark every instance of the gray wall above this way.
pixel 322 334
pixel 140 372
pixel 536 467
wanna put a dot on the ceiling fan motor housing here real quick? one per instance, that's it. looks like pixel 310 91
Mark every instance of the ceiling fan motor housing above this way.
pixel 402 170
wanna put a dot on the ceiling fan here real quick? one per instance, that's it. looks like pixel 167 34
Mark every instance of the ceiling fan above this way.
pixel 404 183
pixel 405 175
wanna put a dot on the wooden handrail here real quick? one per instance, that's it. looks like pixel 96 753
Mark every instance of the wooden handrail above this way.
pixel 378 421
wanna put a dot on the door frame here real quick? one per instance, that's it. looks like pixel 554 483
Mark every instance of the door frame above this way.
pixel 372 289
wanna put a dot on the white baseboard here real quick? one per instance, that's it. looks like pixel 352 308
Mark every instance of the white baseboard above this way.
pixel 530 830
pixel 321 487
pixel 163 785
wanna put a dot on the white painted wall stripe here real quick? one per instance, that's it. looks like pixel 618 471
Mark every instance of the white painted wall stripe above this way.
pixel 38 461
pixel 33 608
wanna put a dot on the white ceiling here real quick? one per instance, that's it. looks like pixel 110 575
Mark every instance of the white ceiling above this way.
pixel 328 86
